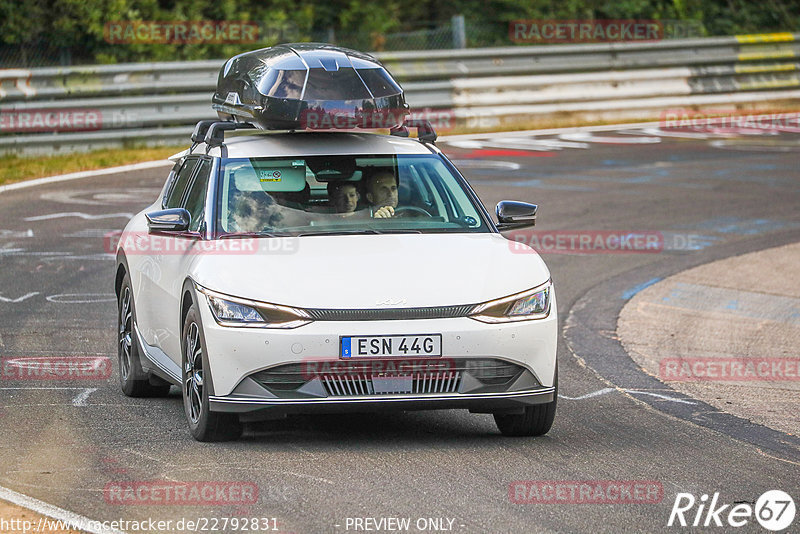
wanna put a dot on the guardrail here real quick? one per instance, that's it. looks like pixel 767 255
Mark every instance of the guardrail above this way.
pixel 497 87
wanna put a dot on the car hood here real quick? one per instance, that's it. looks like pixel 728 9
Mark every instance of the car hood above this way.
pixel 372 271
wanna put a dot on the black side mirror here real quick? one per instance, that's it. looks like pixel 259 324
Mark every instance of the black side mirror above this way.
pixel 512 214
pixel 169 220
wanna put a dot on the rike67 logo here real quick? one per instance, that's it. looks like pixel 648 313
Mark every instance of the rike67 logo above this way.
pixel 774 510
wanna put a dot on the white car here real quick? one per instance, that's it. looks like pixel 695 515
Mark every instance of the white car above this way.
pixel 297 272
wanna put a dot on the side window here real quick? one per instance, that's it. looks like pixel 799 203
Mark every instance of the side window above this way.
pixel 175 195
pixel 170 182
pixel 196 201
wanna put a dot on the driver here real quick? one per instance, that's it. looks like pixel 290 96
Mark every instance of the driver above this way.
pixel 381 193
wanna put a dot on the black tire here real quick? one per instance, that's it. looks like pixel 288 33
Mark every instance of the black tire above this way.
pixel 132 378
pixel 204 424
pixel 535 421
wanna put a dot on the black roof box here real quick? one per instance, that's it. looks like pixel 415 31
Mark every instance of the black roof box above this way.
pixel 309 86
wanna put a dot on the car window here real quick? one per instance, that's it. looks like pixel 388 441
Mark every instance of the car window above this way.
pixel 170 182
pixel 344 194
pixel 179 185
pixel 196 199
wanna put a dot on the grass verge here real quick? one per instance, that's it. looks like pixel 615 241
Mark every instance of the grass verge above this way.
pixel 15 168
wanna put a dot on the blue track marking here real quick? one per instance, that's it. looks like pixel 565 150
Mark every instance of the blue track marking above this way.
pixel 628 293
pixel 748 304
pixel 739 226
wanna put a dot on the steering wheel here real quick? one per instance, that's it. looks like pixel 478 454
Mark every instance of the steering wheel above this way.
pixel 411 209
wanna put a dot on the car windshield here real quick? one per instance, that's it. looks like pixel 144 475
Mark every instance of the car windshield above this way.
pixel 312 195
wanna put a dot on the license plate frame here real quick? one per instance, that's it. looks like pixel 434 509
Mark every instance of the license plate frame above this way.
pixel 427 346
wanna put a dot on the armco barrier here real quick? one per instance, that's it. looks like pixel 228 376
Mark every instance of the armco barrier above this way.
pixel 159 102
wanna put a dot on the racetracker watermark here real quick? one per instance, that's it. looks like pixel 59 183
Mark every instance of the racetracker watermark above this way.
pixel 56 368
pixel 720 121
pixel 50 120
pixel 585 492
pixel 195 31
pixel 171 493
pixel 398 367
pixel 585 242
pixel 187 243
pixel 441 119
pixel 584 30
pixel 729 369
pixel 350 118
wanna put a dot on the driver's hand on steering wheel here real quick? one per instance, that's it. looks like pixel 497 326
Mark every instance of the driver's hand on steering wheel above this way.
pixel 385 212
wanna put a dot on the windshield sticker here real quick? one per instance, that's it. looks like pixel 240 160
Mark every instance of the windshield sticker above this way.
pixel 270 176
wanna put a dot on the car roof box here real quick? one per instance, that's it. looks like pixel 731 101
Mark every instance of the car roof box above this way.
pixel 309 86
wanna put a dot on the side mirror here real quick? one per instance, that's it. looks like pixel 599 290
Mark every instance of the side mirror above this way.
pixel 169 220
pixel 512 214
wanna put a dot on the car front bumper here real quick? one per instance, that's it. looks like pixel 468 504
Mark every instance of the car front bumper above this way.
pixel 236 354
pixel 476 402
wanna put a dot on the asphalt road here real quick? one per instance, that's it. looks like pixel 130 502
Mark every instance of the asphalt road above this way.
pixel 65 441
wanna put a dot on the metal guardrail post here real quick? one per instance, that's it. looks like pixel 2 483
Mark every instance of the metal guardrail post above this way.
pixel 459 31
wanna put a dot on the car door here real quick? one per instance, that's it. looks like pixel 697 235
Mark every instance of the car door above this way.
pixel 173 262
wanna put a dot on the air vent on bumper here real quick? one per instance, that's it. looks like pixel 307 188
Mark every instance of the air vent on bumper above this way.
pixel 354 378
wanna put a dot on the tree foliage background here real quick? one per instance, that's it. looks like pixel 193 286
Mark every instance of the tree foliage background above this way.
pixel 38 32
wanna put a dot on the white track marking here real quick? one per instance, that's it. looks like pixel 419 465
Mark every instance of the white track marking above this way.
pixel 80 398
pixel 19 299
pixel 85 216
pixel 631 391
pixel 81 298
pixel 76 521
pixel 468 144
pixel 551 131
pixel 486 164
pixel 516 143
pixel 754 146
pixel 589 395
pixel 13 234
pixel 87 174
pixel 658 395
pixel 99 198
pixel 522 144
pixel 666 133
pixel 590 138
pixel 35 387
pixel 538 144
pixel 93 232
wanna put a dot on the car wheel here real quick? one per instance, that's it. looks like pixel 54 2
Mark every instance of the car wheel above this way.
pixel 204 424
pixel 132 378
pixel 536 420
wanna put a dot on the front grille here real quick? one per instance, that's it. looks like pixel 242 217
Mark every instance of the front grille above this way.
pixel 390 314
pixel 338 385
pixel 388 377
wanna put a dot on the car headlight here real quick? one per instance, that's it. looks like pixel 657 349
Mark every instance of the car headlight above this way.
pixel 525 306
pixel 235 311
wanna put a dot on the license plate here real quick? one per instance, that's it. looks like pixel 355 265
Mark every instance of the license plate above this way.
pixel 426 345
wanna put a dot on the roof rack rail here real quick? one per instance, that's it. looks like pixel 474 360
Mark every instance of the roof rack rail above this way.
pixel 212 132
pixel 425 131
pixel 216 132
